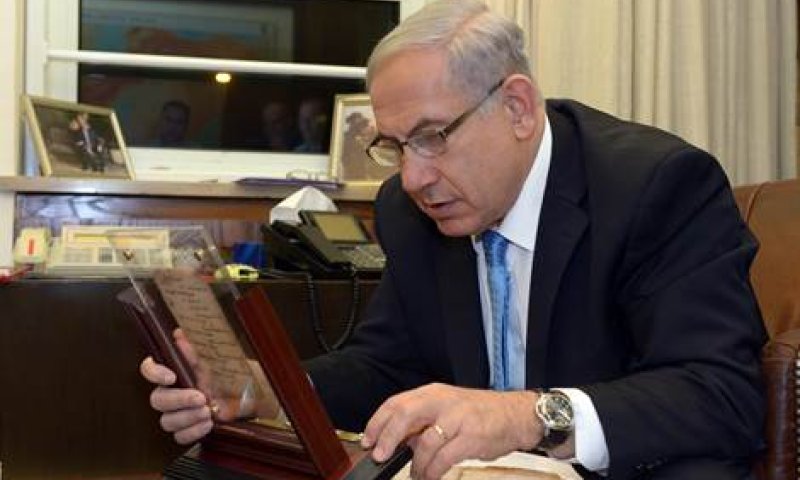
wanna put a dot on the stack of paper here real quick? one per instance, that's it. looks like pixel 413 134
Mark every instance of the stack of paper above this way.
pixel 514 466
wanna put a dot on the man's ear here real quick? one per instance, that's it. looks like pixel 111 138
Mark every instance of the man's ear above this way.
pixel 521 102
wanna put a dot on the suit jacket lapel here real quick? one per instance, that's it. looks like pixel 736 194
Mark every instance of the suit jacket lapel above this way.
pixel 461 309
pixel 561 225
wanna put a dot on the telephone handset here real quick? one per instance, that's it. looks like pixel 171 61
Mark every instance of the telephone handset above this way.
pixel 304 247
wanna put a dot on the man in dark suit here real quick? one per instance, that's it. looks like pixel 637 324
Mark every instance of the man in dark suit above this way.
pixel 90 147
pixel 556 278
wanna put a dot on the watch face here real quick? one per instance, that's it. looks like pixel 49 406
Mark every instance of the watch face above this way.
pixel 556 411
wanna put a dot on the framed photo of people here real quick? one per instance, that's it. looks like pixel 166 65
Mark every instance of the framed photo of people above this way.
pixel 77 140
pixel 353 128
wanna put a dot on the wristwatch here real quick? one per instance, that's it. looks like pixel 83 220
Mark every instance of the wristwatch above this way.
pixel 554 409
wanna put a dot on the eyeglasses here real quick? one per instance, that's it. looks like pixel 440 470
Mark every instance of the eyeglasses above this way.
pixel 387 151
pixel 309 175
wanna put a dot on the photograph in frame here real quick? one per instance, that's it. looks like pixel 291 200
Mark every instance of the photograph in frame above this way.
pixel 77 140
pixel 352 131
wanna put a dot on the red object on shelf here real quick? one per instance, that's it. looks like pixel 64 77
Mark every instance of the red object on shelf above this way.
pixel 9 274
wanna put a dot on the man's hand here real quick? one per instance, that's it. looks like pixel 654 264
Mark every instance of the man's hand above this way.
pixel 184 411
pixel 445 425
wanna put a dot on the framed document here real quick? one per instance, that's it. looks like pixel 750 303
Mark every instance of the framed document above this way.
pixel 269 422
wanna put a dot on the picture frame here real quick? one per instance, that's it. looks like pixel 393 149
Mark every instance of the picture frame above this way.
pixel 269 422
pixel 352 130
pixel 77 140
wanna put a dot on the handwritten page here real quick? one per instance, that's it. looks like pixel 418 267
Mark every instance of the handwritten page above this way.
pixel 223 371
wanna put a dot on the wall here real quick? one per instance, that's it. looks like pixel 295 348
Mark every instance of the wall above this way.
pixel 10 88
pixel 10 83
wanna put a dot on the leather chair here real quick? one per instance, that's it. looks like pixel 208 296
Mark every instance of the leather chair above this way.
pixel 772 210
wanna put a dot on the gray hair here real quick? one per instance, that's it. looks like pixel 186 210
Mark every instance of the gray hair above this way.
pixel 481 47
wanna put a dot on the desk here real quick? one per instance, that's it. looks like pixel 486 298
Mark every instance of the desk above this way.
pixel 72 403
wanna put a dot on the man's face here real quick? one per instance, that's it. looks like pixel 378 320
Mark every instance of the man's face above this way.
pixel 276 119
pixel 172 129
pixel 312 121
pixel 476 181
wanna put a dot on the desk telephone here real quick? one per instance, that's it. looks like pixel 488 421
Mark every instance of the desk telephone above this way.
pixel 325 244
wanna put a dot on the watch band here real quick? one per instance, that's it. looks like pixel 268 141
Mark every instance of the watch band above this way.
pixel 553 438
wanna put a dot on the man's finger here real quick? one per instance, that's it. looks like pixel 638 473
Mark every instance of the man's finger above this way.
pixel 171 399
pixel 186 348
pixel 194 433
pixel 180 420
pixel 402 416
pixel 156 373
pixel 386 429
pixel 449 454
pixel 375 425
pixel 426 446
pixel 399 427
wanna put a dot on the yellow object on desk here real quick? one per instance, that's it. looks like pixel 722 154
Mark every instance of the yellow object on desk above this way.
pixel 236 272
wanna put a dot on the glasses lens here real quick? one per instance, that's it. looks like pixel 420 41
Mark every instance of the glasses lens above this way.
pixel 428 144
pixel 385 154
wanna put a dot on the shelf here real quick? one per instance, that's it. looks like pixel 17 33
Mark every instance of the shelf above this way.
pixel 138 188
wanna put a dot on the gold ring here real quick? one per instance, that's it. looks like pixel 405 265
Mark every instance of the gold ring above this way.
pixel 439 431
pixel 214 408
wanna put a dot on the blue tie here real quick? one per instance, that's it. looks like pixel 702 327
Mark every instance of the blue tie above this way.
pixel 495 247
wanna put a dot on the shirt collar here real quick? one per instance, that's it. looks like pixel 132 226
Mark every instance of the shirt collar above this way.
pixel 521 223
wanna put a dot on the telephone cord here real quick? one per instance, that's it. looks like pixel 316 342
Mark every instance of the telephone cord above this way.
pixel 313 306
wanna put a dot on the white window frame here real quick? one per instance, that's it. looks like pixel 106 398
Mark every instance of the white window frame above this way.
pixel 51 69
pixel 12 24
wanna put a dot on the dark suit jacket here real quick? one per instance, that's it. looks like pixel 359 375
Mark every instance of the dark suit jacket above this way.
pixel 639 296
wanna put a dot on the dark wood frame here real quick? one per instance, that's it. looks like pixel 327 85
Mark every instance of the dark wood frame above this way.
pixel 313 450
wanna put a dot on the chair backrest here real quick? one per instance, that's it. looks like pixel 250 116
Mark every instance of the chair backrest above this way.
pixel 772 211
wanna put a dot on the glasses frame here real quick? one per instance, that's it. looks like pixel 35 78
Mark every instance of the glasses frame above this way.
pixel 444 133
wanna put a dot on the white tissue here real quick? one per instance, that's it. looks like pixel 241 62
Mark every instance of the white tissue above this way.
pixel 307 198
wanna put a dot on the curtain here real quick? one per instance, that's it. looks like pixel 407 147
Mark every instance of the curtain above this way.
pixel 719 73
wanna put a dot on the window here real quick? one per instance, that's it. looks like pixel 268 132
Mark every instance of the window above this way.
pixel 182 122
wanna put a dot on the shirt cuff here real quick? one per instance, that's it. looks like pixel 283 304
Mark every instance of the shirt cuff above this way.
pixel 591 450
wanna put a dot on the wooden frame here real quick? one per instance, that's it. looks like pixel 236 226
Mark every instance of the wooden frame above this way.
pixel 77 140
pixel 226 321
pixel 353 128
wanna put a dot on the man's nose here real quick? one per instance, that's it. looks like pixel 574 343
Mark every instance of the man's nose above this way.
pixel 417 172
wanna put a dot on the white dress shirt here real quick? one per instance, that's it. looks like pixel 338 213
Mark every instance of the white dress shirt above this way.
pixel 520 226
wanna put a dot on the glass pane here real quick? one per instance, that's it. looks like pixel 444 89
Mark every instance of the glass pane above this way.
pixel 333 32
pixel 212 352
pixel 186 109
pixel 169 108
